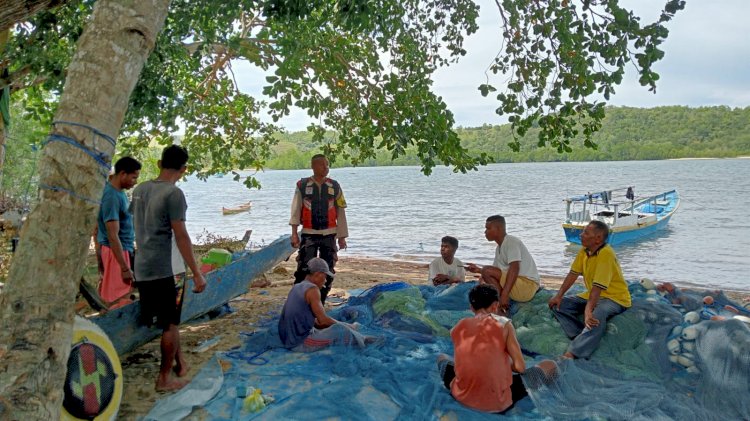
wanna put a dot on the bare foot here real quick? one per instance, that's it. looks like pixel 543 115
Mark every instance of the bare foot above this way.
pixel 181 370
pixel 569 355
pixel 169 385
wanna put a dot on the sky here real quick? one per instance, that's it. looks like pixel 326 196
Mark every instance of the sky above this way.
pixel 707 62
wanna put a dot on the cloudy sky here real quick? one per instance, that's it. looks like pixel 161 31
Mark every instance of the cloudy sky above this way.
pixel 707 62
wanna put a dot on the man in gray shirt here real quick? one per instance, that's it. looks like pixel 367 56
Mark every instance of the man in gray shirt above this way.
pixel 158 209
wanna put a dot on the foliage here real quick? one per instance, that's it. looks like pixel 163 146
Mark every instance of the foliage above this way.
pixel 23 142
pixel 626 134
pixel 361 69
pixel 562 55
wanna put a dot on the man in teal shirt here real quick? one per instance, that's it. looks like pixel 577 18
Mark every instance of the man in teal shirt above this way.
pixel 115 234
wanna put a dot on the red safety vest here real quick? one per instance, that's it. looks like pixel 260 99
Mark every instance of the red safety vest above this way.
pixel 318 203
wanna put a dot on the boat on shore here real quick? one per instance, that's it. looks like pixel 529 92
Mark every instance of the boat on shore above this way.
pixel 629 217
pixel 124 329
pixel 237 209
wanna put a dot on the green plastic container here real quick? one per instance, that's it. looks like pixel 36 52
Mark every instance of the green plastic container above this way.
pixel 218 257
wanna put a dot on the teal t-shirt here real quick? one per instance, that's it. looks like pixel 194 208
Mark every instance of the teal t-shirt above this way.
pixel 115 208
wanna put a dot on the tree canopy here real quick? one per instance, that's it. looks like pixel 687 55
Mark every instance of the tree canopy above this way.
pixel 361 69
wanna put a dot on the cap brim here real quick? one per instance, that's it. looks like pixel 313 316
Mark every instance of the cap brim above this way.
pixel 329 273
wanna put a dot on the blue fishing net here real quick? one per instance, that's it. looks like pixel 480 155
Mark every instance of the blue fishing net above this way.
pixel 657 361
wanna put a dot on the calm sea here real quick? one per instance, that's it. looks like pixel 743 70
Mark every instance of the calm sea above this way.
pixel 397 213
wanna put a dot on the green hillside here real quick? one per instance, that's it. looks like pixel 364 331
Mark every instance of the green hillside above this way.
pixel 627 134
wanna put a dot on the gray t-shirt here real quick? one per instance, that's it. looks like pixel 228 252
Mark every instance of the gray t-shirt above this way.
pixel 154 206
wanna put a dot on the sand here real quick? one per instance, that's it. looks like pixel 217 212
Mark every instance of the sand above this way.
pixel 141 367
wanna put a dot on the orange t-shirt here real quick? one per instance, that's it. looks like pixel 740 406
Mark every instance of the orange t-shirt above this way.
pixel 483 370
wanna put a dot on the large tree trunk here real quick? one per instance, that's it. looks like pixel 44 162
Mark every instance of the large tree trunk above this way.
pixel 14 11
pixel 36 306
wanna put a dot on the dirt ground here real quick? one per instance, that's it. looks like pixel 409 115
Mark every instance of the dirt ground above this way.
pixel 267 296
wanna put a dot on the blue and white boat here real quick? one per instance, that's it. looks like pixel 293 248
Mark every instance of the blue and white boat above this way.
pixel 629 217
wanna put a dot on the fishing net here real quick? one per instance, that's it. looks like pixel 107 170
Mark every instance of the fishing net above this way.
pixel 656 361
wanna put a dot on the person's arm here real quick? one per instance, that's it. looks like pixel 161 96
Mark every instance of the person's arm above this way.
pixel 113 231
pixel 570 279
pixel 185 245
pixel 296 213
pixel 322 320
pixel 589 319
pixel 98 251
pixel 471 267
pixel 510 280
pixel 518 364
pixel 342 228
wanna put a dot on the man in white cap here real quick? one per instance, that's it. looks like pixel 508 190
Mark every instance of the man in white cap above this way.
pixel 304 324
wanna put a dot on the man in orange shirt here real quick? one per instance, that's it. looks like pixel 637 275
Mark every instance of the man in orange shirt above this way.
pixel 487 354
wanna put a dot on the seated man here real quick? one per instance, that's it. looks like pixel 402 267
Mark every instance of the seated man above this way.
pixel 446 269
pixel 487 354
pixel 606 292
pixel 304 324
pixel 513 272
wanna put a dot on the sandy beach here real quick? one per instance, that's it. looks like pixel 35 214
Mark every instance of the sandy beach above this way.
pixel 267 296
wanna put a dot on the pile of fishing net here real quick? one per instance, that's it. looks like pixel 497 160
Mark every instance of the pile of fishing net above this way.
pixel 657 361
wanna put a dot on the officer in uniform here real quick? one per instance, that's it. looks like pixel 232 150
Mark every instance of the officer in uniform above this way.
pixel 319 206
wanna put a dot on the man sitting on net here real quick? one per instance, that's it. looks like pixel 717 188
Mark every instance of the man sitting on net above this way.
pixel 513 272
pixel 446 269
pixel 486 374
pixel 304 325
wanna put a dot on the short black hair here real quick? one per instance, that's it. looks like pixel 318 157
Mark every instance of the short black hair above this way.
pixel 482 296
pixel 601 228
pixel 318 156
pixel 127 164
pixel 496 219
pixel 174 157
pixel 452 241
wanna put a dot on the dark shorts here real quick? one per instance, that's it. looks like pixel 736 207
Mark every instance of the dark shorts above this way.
pixel 448 373
pixel 161 302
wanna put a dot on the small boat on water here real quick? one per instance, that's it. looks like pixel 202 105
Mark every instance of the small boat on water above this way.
pixel 237 209
pixel 629 217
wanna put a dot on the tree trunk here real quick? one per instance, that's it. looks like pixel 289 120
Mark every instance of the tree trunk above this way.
pixel 36 306
pixel 14 11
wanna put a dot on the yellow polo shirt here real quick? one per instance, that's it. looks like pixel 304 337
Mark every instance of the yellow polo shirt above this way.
pixel 603 270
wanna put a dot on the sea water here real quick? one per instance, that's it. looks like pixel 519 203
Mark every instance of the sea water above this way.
pixel 397 213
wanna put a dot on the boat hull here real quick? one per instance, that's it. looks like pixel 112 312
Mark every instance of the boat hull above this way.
pixel 127 333
pixel 629 233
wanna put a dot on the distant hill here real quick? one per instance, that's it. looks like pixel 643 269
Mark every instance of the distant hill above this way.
pixel 626 134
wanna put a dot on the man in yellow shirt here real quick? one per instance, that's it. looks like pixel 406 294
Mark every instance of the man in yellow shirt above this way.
pixel 606 292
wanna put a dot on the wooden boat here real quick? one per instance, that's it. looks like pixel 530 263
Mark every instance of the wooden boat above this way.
pixel 122 325
pixel 237 209
pixel 629 217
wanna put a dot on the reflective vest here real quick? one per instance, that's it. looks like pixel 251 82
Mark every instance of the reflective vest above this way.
pixel 318 203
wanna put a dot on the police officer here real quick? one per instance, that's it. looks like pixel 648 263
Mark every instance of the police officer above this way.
pixel 319 206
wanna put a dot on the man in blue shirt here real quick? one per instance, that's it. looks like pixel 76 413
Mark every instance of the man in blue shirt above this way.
pixel 115 233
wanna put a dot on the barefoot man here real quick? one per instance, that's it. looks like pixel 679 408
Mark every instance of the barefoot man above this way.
pixel 158 209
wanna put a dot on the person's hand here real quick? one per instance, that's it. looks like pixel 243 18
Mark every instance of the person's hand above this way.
pixel 504 307
pixel 127 276
pixel 342 243
pixel 295 240
pixel 554 302
pixel 199 283
pixel 589 320
pixel 441 279
pixel 471 267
